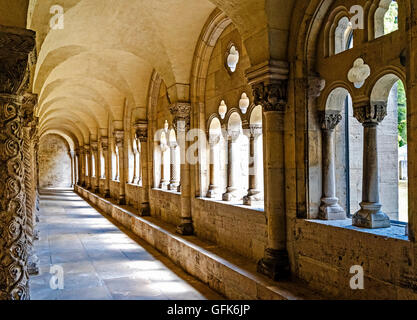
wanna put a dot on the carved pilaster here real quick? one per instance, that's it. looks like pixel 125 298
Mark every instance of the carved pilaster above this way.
pixel 15 45
pixel 13 219
pixel 29 129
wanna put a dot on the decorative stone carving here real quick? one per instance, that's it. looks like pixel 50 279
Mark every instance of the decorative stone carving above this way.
pixel 181 112
pixel 359 73
pixel 104 144
pixel 15 45
pixel 141 127
pixel 371 113
pixel 272 97
pixel 13 241
pixel 329 119
pixel 94 146
pixel 119 137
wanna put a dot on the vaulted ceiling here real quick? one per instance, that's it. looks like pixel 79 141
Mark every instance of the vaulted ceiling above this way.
pixel 102 60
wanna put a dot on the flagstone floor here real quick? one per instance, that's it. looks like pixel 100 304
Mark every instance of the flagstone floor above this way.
pixel 100 262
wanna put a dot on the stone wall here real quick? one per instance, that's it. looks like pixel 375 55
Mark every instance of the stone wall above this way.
pixel 324 255
pixel 54 162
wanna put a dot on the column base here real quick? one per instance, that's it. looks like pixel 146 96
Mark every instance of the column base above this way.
pixel 173 187
pixel 212 193
pixel 145 210
pixel 252 198
pixel 275 265
pixel 107 194
pixel 186 229
pixel 371 217
pixel 163 185
pixel 97 190
pixel 230 195
pixel 122 201
pixel 33 265
pixel 331 210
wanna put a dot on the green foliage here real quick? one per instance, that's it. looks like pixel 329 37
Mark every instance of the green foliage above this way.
pixel 391 18
pixel 402 115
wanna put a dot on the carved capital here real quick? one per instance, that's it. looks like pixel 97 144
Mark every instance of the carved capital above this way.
pixel 94 146
pixel 272 97
pixel 87 149
pixel 255 130
pixel 371 113
pixel 182 114
pixel 214 139
pixel 119 137
pixel 329 119
pixel 141 127
pixel 104 143
pixel 269 81
pixel 15 46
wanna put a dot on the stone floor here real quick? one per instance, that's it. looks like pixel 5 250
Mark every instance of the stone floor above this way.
pixel 99 261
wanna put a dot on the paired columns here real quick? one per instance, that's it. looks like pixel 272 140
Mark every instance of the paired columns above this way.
pixel 88 166
pixel 270 85
pixel 181 112
pixel 105 149
pixel 174 182
pixel 95 154
pixel 254 193
pixel 214 141
pixel 370 214
pixel 232 189
pixel 141 128
pixel 119 138
pixel 73 165
pixel 330 208
pixel 16 44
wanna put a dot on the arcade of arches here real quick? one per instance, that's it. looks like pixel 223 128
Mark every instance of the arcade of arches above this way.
pixel 266 147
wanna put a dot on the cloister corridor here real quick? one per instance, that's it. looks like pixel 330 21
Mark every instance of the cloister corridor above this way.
pixel 101 262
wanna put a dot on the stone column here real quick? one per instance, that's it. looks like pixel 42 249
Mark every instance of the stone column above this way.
pixel 270 87
pixel 95 152
pixel 135 165
pixel 164 181
pixel 105 148
pixel 28 153
pixel 330 208
pixel 254 193
pixel 79 167
pixel 88 166
pixel 72 156
pixel 174 181
pixel 214 166
pixel 119 136
pixel 232 189
pixel 141 128
pixel 370 215
pixel 15 44
pixel 139 162
pixel 181 112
